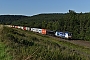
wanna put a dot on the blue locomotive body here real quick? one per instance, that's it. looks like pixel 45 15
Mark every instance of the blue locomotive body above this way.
pixel 65 35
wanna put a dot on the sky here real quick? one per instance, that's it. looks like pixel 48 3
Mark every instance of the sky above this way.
pixel 34 7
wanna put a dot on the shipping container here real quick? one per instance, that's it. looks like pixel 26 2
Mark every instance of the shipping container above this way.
pixel 28 28
pixel 16 26
pixel 35 29
pixel 24 28
pixel 43 31
pixel 39 30
pixel 12 26
pixel 19 27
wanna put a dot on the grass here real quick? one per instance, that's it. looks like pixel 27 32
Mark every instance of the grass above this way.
pixel 3 52
pixel 4 55
pixel 26 45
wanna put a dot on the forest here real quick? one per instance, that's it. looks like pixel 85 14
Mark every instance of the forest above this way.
pixel 8 19
pixel 77 23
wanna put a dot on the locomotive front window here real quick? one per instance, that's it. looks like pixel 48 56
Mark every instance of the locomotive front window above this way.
pixel 69 34
pixel 57 33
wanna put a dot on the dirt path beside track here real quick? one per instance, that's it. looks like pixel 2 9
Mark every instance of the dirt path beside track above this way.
pixel 81 43
pixel 76 42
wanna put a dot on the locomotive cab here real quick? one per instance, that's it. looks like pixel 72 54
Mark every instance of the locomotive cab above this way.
pixel 68 35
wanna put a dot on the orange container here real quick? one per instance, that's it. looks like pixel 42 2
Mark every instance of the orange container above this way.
pixel 43 31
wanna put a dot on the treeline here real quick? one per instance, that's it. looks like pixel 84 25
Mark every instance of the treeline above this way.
pixel 8 19
pixel 77 23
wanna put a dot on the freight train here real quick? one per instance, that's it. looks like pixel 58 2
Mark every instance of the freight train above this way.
pixel 64 35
